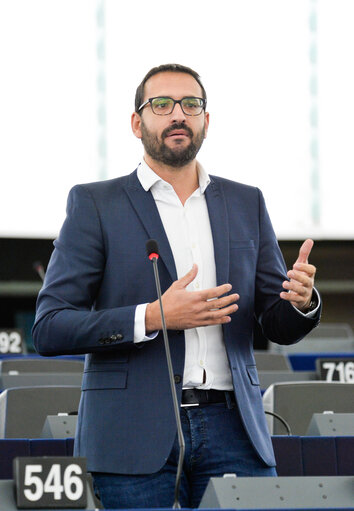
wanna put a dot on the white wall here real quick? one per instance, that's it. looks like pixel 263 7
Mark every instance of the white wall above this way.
pixel 254 59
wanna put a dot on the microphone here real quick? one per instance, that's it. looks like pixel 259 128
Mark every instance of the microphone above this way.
pixel 39 269
pixel 152 249
pixel 153 254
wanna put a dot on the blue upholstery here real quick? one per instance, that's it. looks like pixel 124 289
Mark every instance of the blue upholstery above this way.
pixel 319 456
pixel 295 455
pixel 288 454
pixel 10 449
pixel 345 457
pixel 48 447
pixel 69 446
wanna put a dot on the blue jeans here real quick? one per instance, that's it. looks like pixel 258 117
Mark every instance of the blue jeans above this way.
pixel 216 443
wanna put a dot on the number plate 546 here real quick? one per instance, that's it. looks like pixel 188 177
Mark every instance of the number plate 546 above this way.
pixel 50 482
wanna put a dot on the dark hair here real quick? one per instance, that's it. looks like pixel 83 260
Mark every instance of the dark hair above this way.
pixel 175 68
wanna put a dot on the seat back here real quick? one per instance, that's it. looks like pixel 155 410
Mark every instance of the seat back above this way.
pixel 266 361
pixel 23 410
pixel 296 402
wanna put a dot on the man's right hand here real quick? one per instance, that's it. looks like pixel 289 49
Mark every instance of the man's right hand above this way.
pixel 189 309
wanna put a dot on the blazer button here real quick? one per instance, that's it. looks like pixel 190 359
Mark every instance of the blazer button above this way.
pixel 178 378
pixel 179 332
pixel 116 337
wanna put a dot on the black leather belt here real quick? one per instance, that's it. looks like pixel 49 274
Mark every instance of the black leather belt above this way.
pixel 194 397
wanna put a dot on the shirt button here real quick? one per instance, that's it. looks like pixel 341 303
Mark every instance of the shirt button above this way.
pixel 201 362
pixel 197 285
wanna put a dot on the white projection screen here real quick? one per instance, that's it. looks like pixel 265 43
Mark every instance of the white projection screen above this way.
pixel 279 78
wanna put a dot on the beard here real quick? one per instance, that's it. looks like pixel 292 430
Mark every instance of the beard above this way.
pixel 177 157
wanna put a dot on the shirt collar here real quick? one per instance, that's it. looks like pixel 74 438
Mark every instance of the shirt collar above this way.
pixel 148 178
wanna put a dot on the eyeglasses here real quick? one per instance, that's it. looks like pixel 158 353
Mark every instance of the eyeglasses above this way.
pixel 165 105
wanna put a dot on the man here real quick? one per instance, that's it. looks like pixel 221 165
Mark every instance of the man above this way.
pixel 220 265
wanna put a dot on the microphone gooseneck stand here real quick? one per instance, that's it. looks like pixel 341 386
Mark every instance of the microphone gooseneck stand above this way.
pixel 152 250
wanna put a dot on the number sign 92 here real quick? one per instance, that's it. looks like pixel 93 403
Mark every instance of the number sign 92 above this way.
pixel 11 341
pixel 50 482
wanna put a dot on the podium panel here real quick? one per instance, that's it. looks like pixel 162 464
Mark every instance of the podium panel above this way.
pixel 279 493
pixel 331 424
pixel 59 426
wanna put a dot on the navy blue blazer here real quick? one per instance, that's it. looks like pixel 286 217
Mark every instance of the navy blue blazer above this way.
pixel 97 275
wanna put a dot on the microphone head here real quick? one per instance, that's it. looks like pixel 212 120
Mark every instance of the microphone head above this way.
pixel 152 249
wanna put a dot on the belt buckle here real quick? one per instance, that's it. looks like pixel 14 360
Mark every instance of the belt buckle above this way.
pixel 192 394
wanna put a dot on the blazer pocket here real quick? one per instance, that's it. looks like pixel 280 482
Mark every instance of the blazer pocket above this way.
pixel 253 374
pixel 242 244
pixel 102 380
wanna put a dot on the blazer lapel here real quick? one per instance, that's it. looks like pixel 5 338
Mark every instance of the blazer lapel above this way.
pixel 145 207
pixel 220 229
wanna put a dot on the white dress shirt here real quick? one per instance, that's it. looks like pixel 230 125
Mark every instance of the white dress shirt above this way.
pixel 189 234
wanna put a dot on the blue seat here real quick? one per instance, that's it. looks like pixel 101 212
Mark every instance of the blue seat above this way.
pixel 10 449
pixel 319 456
pixel 345 458
pixel 295 455
pixel 288 454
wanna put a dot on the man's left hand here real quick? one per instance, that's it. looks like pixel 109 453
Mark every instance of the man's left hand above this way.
pixel 302 277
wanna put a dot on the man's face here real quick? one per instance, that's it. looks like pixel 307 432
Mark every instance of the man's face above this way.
pixel 176 138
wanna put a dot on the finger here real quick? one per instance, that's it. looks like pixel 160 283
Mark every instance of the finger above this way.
pixel 217 321
pixel 291 297
pixel 305 251
pixel 187 278
pixel 296 287
pixel 298 300
pixel 215 292
pixel 219 303
pixel 301 276
pixel 310 269
pixel 214 316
